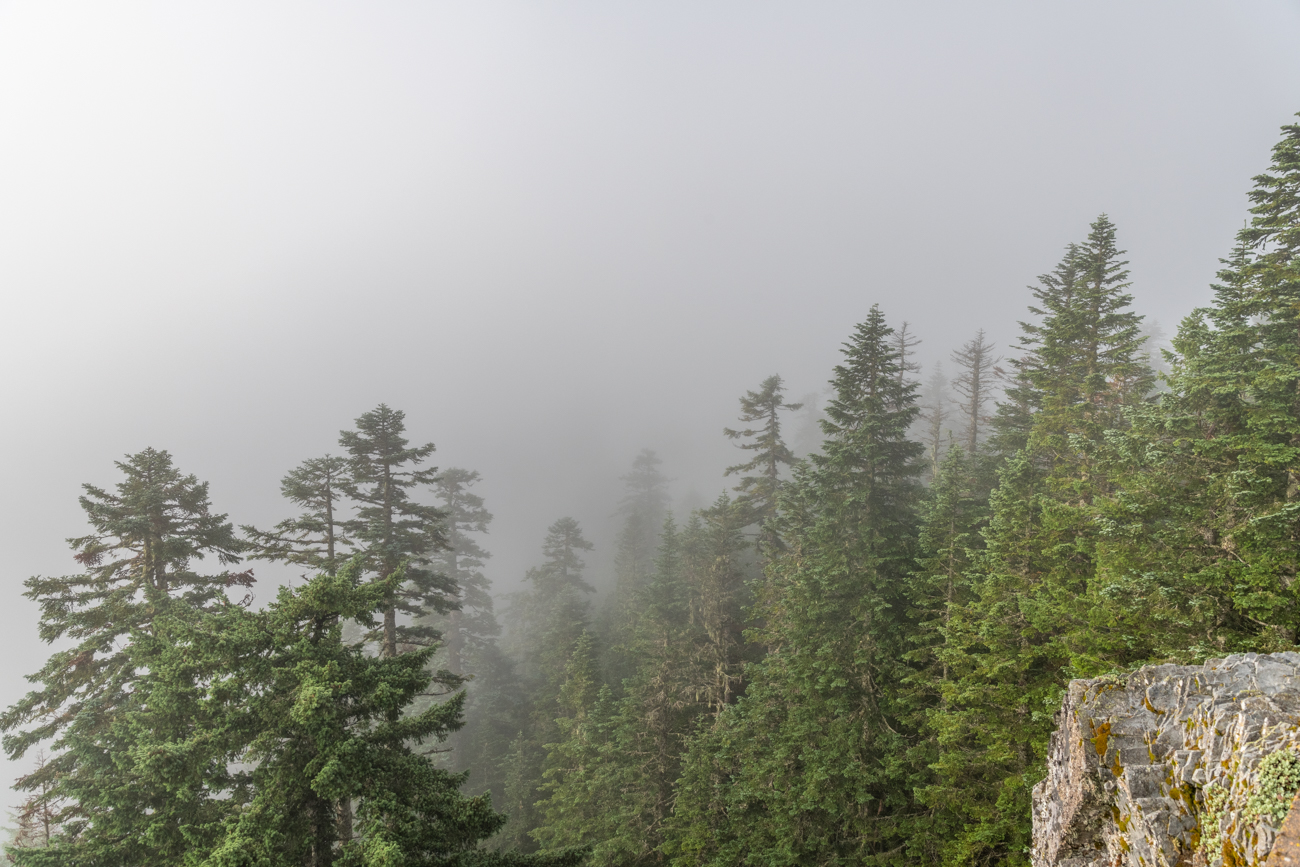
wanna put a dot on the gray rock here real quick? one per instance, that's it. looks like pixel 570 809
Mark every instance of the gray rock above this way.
pixel 1133 758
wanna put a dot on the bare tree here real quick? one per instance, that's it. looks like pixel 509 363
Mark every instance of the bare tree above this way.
pixel 973 384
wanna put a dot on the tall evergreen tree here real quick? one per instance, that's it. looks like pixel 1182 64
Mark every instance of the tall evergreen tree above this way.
pixel 1037 614
pixel 761 474
pixel 713 560
pixel 803 768
pixel 613 770
pixel 578 800
pixel 315 538
pixel 934 412
pixel 546 621
pixel 138 563
pixel 469 639
pixel 471 627
pixel 330 727
pixel 1206 524
pixel 393 529
pixel 643 508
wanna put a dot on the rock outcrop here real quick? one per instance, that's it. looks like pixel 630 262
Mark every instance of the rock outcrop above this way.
pixel 1162 767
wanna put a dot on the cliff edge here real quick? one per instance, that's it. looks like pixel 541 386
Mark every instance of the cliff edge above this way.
pixel 1172 765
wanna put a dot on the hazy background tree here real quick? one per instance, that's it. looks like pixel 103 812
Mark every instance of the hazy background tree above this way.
pixel 760 479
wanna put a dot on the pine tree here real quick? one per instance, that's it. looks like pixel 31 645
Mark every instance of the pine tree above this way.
pixel 643 508
pixel 758 487
pixel 1206 526
pixel 138 564
pixel 803 768
pixel 471 627
pixel 1037 614
pixel 390 527
pixel 546 620
pixel 315 539
pixel 713 558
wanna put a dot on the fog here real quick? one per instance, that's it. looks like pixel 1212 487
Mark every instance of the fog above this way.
pixel 554 234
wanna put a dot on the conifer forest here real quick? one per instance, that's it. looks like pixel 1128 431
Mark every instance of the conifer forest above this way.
pixel 646 434
pixel 852 656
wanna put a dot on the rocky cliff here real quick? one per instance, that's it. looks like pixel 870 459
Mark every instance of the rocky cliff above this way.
pixel 1172 765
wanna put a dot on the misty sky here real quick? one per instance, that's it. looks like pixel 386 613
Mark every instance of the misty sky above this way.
pixel 556 233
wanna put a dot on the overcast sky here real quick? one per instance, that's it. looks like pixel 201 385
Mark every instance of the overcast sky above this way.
pixel 556 233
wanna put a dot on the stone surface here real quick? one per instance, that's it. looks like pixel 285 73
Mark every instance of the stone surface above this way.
pixel 1286 845
pixel 1155 769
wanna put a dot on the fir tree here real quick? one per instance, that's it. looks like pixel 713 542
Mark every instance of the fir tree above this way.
pixel 761 479
pixel 713 561
pixel 578 802
pixel 138 564
pixel 934 412
pixel 803 768
pixel 643 508
pixel 315 539
pixel 1205 526
pixel 330 726
pixel 1037 615
pixel 390 527
pixel 547 620
pixel 471 627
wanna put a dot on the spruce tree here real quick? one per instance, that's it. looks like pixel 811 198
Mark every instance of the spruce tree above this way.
pixel 643 508
pixel 330 726
pixel 934 412
pixel 315 539
pixel 138 564
pixel 761 474
pixel 577 800
pixel 546 620
pixel 1206 526
pixel 612 771
pixel 804 767
pixel 1037 615
pixel 471 627
pixel 390 527
pixel 714 563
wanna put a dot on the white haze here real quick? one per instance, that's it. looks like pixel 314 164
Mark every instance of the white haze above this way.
pixel 556 233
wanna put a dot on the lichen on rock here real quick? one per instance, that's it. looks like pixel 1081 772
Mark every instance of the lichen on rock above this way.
pixel 1172 765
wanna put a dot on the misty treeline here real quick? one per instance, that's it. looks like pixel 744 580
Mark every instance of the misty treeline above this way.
pixel 853 657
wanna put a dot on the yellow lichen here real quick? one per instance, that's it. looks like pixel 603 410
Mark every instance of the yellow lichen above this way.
pixel 1100 738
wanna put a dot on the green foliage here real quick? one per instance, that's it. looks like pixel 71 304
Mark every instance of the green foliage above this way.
pixel 1214 801
pixel 138 573
pixel 804 767
pixel 1032 617
pixel 1275 788
pixel 882 693
pixel 315 538
pixel 390 527
pixel 758 489
pixel 550 620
